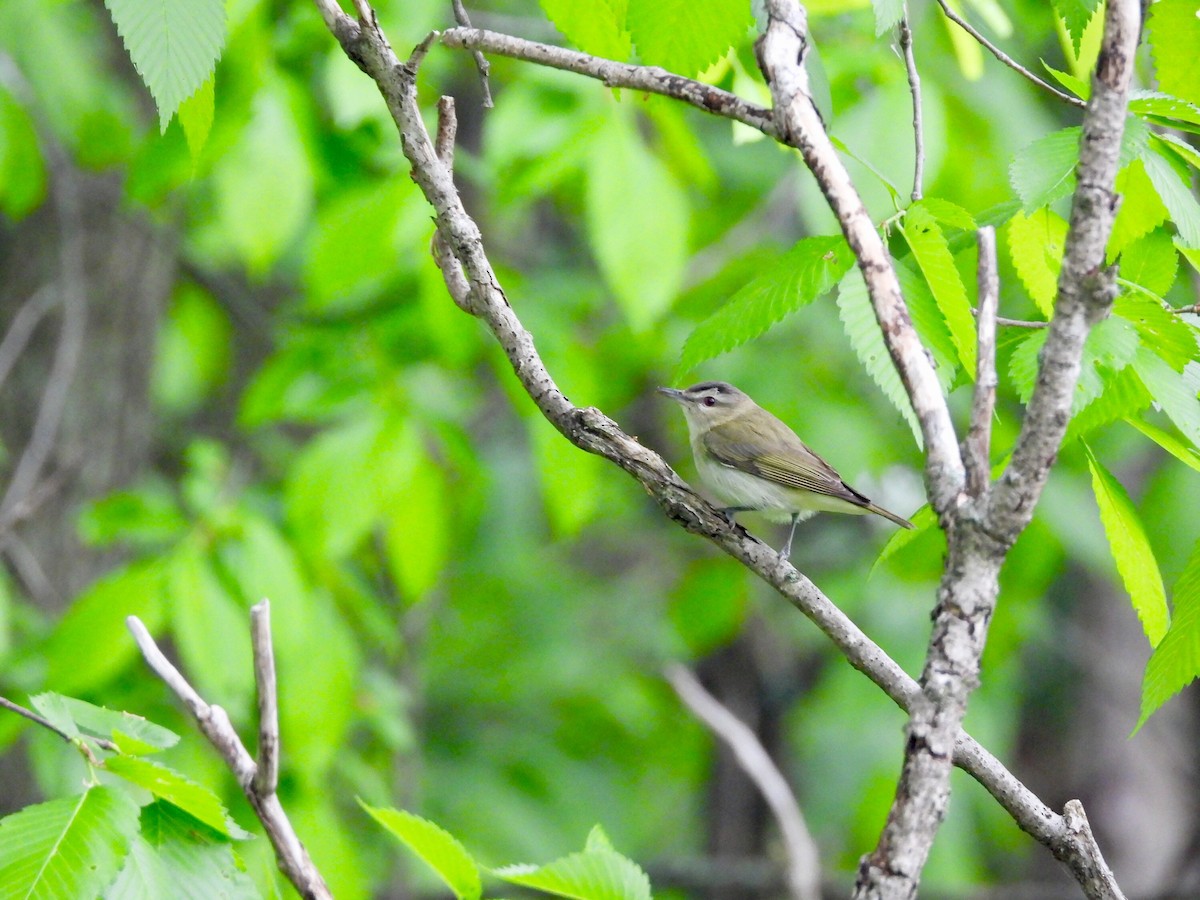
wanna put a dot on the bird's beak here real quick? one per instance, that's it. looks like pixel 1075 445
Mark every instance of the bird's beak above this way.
pixel 674 393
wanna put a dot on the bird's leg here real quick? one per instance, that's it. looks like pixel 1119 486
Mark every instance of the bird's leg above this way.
pixel 786 552
pixel 729 511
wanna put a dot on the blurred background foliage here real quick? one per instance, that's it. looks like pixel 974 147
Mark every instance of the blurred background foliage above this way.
pixel 470 615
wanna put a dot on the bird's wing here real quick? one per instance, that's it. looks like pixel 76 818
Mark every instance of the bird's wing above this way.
pixel 786 461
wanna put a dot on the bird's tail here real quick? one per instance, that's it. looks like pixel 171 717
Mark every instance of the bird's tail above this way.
pixel 890 516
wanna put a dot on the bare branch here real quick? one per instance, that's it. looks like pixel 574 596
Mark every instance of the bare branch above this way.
pixel 651 79
pixel 781 51
pixel 914 87
pixel 102 743
pixel 977 449
pixel 460 16
pixel 266 776
pixel 1005 58
pixel 804 868
pixel 21 329
pixel 590 430
pixel 290 854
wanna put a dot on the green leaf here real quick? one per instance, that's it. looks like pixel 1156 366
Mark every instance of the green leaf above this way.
pixel 887 14
pixel 923 521
pixel 167 784
pixel 1186 454
pixel 1141 210
pixel 1035 244
pixel 686 36
pixel 946 212
pixel 1174 35
pixel 1045 170
pixel 1076 14
pixel 1077 86
pixel 418 529
pixel 66 848
pixel 1179 147
pixel 194 350
pixel 1175 662
pixel 175 856
pixel 570 480
pixel 811 268
pixel 597 28
pixel 132 733
pixel 1131 550
pixel 709 606
pixel 1171 182
pixel 637 217
pixel 147 517
pixel 1175 393
pixel 22 170
pixel 264 185
pixel 1163 106
pixel 1152 262
pixel 1122 395
pixel 174 45
pixel 1162 330
pixel 1110 346
pixel 930 323
pixel 196 118
pixel 860 325
pixel 91 643
pixel 436 847
pixel 1023 363
pixel 210 629
pixel 933 255
pixel 595 874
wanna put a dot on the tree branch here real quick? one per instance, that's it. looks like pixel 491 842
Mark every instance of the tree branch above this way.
pixel 803 868
pixel 977 448
pixel 914 87
pixel 1005 58
pixel 213 721
pixel 781 51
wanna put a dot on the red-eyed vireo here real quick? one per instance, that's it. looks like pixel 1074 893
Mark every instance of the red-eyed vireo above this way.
pixel 755 463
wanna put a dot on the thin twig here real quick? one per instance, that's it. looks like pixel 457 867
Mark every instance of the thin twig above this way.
pixel 481 63
pixel 102 743
pixel 1016 323
pixel 651 79
pixel 977 450
pixel 290 854
pixel 1006 59
pixel 266 776
pixel 452 273
pixel 914 87
pixel 21 329
pixel 803 868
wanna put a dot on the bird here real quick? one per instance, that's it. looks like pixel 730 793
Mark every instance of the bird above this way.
pixel 753 462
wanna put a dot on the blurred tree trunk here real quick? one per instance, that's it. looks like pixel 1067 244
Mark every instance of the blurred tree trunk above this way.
pixel 90 280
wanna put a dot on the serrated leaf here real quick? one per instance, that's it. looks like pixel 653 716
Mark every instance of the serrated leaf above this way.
pixel 1175 662
pixel 861 327
pixel 1035 245
pixel 1044 171
pixel 887 14
pixel 1123 395
pixel 1154 103
pixel 167 784
pixel 66 848
pixel 637 216
pixel 1131 550
pixel 1023 363
pixel 932 253
pixel 175 856
pixel 930 323
pixel 946 212
pixel 436 847
pixel 1141 210
pixel 1174 35
pixel 686 36
pixel 1179 147
pixel 1162 330
pixel 597 28
pixel 1076 14
pixel 1151 262
pixel 1110 346
pixel 1077 86
pixel 1174 189
pixel 597 839
pixel 811 268
pixel 923 521
pixel 74 715
pixel 174 45
pixel 591 875
pixel 1186 454
pixel 1174 392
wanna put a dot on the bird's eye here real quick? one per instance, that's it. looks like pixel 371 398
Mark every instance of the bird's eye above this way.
pixel 710 401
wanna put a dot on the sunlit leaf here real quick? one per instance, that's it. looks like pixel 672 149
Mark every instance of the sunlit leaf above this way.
pixel 1162 330
pixel 435 847
pixel 1188 455
pixel 196 117
pixel 1141 210
pixel 932 253
pixel 1173 391
pixel 132 733
pixel 169 785
pixel 1076 14
pixel 599 874
pixel 1035 244
pixel 811 268
pixel 1174 35
pixel 22 170
pixel 1175 662
pixel 685 36
pixel 1151 262
pixel 1172 184
pixel 597 28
